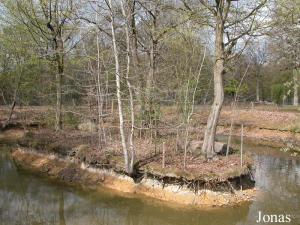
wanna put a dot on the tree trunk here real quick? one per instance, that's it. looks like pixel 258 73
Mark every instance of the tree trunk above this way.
pixel 3 97
pixel 59 77
pixel 257 89
pixel 133 33
pixel 150 78
pixel 133 39
pixel 16 92
pixel 101 131
pixel 118 84
pixel 131 136
pixel 296 86
pixel 210 132
pixel 152 64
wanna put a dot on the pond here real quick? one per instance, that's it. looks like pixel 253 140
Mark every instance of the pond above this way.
pixel 30 199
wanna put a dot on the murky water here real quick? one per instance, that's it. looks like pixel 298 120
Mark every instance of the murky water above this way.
pixel 29 199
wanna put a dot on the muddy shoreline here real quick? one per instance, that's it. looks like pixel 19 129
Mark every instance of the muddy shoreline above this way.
pixel 170 188
pixel 84 176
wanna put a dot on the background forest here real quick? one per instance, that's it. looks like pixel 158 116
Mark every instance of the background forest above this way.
pixel 141 56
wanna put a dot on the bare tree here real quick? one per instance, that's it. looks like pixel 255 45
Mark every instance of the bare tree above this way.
pixel 51 28
pixel 191 111
pixel 258 55
pixel 286 33
pixel 128 155
pixel 127 15
pixel 14 101
pixel 231 22
pixel 156 23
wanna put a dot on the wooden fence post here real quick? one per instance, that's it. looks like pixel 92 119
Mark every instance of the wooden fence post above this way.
pixel 112 106
pixel 242 137
pixel 163 158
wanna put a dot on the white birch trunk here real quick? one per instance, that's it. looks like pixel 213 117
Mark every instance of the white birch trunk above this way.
pixel 118 85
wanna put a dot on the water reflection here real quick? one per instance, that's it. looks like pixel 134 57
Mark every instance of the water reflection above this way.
pixel 27 199
pixel 278 178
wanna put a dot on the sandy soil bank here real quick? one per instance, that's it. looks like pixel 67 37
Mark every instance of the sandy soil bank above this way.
pixel 83 176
